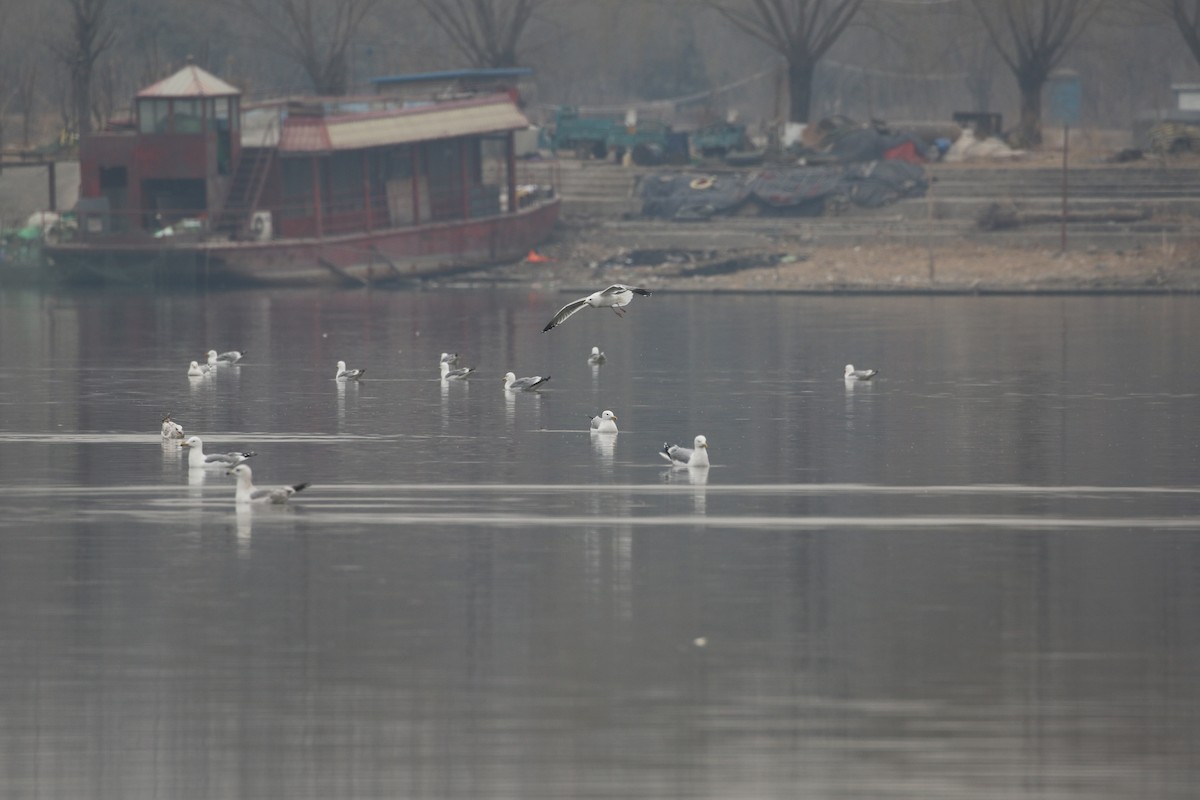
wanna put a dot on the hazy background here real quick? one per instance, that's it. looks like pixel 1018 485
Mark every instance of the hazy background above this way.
pixel 896 60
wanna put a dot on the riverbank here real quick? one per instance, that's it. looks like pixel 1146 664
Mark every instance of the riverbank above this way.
pixel 585 256
pixel 1131 229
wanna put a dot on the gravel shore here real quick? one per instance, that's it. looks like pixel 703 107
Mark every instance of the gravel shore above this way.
pixel 582 255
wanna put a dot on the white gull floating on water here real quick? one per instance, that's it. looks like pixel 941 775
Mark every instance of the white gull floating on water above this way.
pixel 615 297
pixel 597 357
pixel 247 492
pixel 852 374
pixel 347 374
pixel 515 384
pixel 227 358
pixel 687 456
pixel 171 429
pixel 198 458
pixel 195 370
pixel 606 422
pixel 454 374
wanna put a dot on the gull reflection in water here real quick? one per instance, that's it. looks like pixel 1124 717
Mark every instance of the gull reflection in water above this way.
pixel 245 527
pixel 341 404
pixel 196 478
pixel 608 564
pixel 170 456
pixel 697 478
pixel 465 386
pixel 856 387
pixel 510 406
pixel 200 385
pixel 604 445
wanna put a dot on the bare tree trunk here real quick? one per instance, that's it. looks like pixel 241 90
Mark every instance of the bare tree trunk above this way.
pixel 801 31
pixel 1029 127
pixel 1186 16
pixel 1032 36
pixel 800 82
pixel 316 35
pixel 26 85
pixel 91 33
pixel 487 32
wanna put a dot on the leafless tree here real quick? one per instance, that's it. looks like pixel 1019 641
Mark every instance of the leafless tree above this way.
pixel 802 31
pixel 315 34
pixel 89 33
pixel 27 74
pixel 6 93
pixel 487 32
pixel 1186 16
pixel 1032 36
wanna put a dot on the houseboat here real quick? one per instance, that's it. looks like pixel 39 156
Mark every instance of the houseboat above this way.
pixel 195 187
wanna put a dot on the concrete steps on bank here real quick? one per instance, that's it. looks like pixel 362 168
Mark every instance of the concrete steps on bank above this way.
pixel 604 193
pixel 581 183
pixel 794 234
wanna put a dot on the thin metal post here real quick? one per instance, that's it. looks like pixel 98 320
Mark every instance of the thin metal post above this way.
pixel 1066 146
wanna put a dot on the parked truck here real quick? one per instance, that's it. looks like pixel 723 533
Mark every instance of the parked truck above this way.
pixel 719 140
pixel 596 137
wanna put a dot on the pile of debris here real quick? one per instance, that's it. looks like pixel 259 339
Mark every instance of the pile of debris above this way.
pixel 797 191
pixel 835 163
pixel 841 140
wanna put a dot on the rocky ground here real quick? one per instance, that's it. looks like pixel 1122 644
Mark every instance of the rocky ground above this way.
pixel 791 256
pixel 583 254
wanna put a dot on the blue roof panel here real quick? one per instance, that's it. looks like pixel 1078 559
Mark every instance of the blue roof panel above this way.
pixel 454 74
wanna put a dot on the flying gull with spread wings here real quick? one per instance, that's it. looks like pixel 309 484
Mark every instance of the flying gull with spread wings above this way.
pixel 615 297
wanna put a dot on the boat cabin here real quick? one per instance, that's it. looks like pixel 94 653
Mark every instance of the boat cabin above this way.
pixel 195 162
pixel 170 160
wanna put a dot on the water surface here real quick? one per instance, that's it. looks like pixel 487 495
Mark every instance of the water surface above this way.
pixel 977 575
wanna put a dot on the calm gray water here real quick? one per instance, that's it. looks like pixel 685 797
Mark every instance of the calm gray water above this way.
pixel 977 576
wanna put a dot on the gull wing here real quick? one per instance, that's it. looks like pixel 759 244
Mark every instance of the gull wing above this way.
pixel 529 383
pixel 616 288
pixel 622 294
pixel 676 454
pixel 278 494
pixel 230 459
pixel 565 312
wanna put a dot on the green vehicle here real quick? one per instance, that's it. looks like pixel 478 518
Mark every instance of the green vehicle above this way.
pixel 595 137
pixel 717 141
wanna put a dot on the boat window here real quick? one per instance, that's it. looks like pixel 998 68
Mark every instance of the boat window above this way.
pixel 297 188
pixel 398 164
pixel 444 162
pixel 187 116
pixel 153 115
pixel 344 183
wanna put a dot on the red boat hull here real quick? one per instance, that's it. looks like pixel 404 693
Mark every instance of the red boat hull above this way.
pixel 391 254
